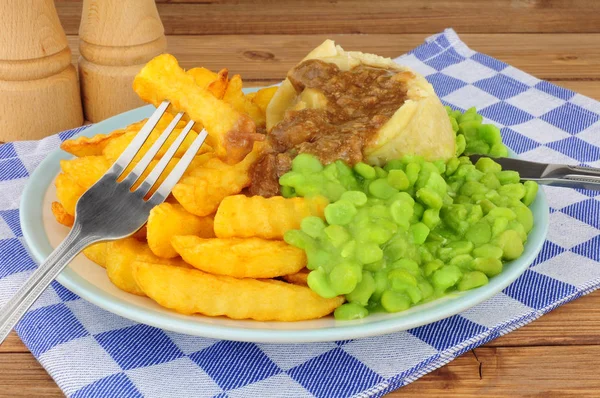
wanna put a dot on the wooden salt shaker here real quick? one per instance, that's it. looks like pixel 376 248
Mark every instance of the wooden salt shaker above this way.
pixel 39 92
pixel 117 37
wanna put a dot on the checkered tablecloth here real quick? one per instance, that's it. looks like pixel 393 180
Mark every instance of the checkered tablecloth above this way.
pixel 93 353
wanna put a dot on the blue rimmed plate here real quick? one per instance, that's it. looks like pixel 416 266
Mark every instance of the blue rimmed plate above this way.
pixel 86 279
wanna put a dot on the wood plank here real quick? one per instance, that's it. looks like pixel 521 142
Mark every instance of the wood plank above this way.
pixel 12 344
pixel 575 323
pixel 268 57
pixel 22 376
pixel 357 16
pixel 513 372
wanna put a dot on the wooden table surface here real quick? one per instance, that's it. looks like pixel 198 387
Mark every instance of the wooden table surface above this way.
pixel 557 355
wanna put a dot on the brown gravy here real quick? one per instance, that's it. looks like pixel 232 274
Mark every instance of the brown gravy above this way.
pixel 359 102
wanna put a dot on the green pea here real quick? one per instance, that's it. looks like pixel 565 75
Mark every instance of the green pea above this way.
pixel 350 311
pixel 394 164
pixel 357 198
pixel 479 233
pixel 419 232
pixel 503 212
pixel 516 191
pixel 461 144
pixel 472 280
pixel 363 290
pixel 292 179
pixel 348 249
pixel 508 177
pixel 408 265
pixel 490 134
pixel 344 277
pixel 379 233
pixel 487 165
pixel 418 210
pixel 454 249
pixel 398 180
pixel 381 284
pixel 432 266
pixel 402 197
pixel 446 277
pixel 288 192
pixel 368 253
pixel 475 214
pixel 375 266
pixel 331 172
pixel 524 216
pixel 471 188
pixel 511 244
pixel 430 198
pixel 531 188
pixel 298 239
pixel 340 212
pixel 378 211
pixel 396 248
pixel 305 163
pixel 490 181
pixel 317 281
pixel 451 166
pixel 401 213
pixel 364 170
pixel 477 146
pixel 516 226
pixel 454 124
pixel 381 189
pixel 462 261
pixel 499 225
pixel 486 205
pixel 431 218
pixel 401 279
pixel 437 183
pixel 490 266
pixel 424 254
pixel 426 289
pixel 488 250
pixel 498 150
pixel 336 234
pixel 318 258
pixel 312 226
pixel 395 301
pixel 380 173
pixel 412 172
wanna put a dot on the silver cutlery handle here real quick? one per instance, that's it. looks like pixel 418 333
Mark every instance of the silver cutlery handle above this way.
pixel 41 278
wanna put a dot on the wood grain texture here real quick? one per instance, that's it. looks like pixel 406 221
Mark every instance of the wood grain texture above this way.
pixel 268 57
pixel 373 16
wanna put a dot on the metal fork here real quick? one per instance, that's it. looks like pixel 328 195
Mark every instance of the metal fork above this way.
pixel 109 210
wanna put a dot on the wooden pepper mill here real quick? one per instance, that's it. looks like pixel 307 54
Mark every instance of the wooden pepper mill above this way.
pixel 39 92
pixel 116 39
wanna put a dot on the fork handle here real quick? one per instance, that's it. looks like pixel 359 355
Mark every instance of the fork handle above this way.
pixel 41 278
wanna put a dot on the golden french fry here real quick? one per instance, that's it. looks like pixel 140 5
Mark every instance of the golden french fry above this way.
pixel 61 215
pixel 268 218
pixel 115 148
pixel 236 98
pixel 68 192
pixel 240 258
pixel 216 83
pixel 190 291
pixel 119 259
pixel 168 220
pixel 206 184
pixel 263 96
pixel 299 278
pixel 231 133
pixel 85 171
pixel 97 253
pixel 90 146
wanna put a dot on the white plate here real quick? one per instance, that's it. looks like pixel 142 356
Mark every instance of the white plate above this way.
pixel 89 281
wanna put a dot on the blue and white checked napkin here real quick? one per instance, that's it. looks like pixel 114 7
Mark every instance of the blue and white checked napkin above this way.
pixel 93 353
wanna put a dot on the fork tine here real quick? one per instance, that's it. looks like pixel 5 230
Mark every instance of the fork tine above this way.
pixel 164 161
pixel 133 148
pixel 139 168
pixel 165 188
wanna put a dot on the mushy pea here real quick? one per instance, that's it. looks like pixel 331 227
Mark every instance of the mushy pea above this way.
pixel 412 231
